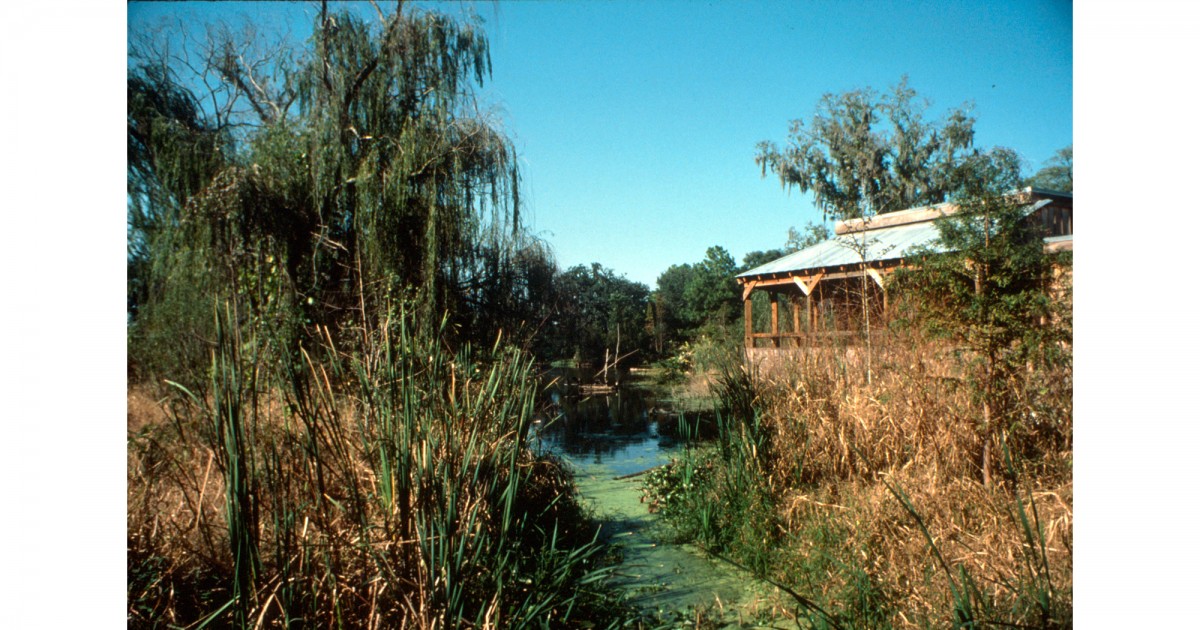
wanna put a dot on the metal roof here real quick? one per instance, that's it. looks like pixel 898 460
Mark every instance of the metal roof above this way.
pixel 884 243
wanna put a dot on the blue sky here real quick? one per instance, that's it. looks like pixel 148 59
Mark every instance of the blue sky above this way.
pixel 637 122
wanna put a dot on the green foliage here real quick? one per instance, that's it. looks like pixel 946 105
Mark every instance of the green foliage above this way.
pixel 360 171
pixel 864 154
pixel 173 149
pixel 173 152
pixel 232 413
pixel 690 297
pixel 861 601
pixel 812 234
pixel 595 309
pixel 674 369
pixel 672 317
pixel 989 290
pixel 717 503
pixel 363 447
pixel 667 488
pixel 715 348
pixel 711 293
pixel 761 257
pixel 718 495
pixel 988 293
pixel 1057 174
pixel 695 306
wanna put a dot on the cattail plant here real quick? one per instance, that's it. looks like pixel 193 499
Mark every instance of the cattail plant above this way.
pixel 388 485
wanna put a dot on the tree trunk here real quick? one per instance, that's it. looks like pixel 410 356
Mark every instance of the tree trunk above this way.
pixel 986 464
pixel 866 317
pixel 987 443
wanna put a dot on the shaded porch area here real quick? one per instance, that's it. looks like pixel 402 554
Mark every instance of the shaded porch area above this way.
pixel 827 308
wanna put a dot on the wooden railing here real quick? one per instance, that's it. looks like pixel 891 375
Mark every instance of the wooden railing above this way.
pixel 805 339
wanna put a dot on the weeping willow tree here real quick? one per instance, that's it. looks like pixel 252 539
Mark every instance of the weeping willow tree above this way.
pixel 174 152
pixel 316 183
pixel 290 208
pixel 407 179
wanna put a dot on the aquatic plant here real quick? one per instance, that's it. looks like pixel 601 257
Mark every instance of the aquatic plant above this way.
pixel 388 485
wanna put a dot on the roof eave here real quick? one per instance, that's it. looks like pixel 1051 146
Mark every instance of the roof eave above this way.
pixel 743 278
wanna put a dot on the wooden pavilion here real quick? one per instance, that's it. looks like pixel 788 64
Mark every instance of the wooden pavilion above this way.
pixel 824 283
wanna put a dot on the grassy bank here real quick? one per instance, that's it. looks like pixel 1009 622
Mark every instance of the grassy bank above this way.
pixel 388 484
pixel 866 501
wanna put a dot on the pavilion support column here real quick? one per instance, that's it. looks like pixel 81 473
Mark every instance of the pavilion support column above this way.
pixel 774 319
pixel 814 319
pixel 795 319
pixel 749 317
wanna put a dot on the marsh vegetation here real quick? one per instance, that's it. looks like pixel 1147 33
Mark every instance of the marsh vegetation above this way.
pixel 341 412
pixel 866 501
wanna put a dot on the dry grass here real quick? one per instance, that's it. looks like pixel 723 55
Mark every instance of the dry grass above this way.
pixel 873 536
pixel 834 445
pixel 409 500
pixel 174 507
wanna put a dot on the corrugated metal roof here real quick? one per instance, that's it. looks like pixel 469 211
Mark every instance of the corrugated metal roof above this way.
pixel 882 244
pixel 886 243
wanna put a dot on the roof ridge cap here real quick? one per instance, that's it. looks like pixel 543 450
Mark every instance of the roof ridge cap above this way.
pixel 908 216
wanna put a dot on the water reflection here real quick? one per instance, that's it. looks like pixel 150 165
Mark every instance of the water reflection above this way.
pixel 627 430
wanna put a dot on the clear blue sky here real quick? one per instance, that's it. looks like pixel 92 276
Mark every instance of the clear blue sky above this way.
pixel 637 121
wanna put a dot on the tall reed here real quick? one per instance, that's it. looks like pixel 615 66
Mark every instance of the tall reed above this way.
pixel 390 485
pixel 232 379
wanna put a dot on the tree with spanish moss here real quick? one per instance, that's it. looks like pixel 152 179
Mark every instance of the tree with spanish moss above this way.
pixel 863 153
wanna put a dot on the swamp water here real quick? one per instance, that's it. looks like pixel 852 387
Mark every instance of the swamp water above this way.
pixel 607 437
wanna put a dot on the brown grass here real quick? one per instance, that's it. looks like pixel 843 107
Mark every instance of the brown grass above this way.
pixel 353 563
pixel 175 524
pixel 836 442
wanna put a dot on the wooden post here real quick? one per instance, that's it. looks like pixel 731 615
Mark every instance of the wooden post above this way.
pixel 812 313
pixel 774 319
pixel 795 319
pixel 749 322
pixel 815 320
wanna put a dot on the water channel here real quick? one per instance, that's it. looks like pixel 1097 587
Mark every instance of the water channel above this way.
pixel 605 437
